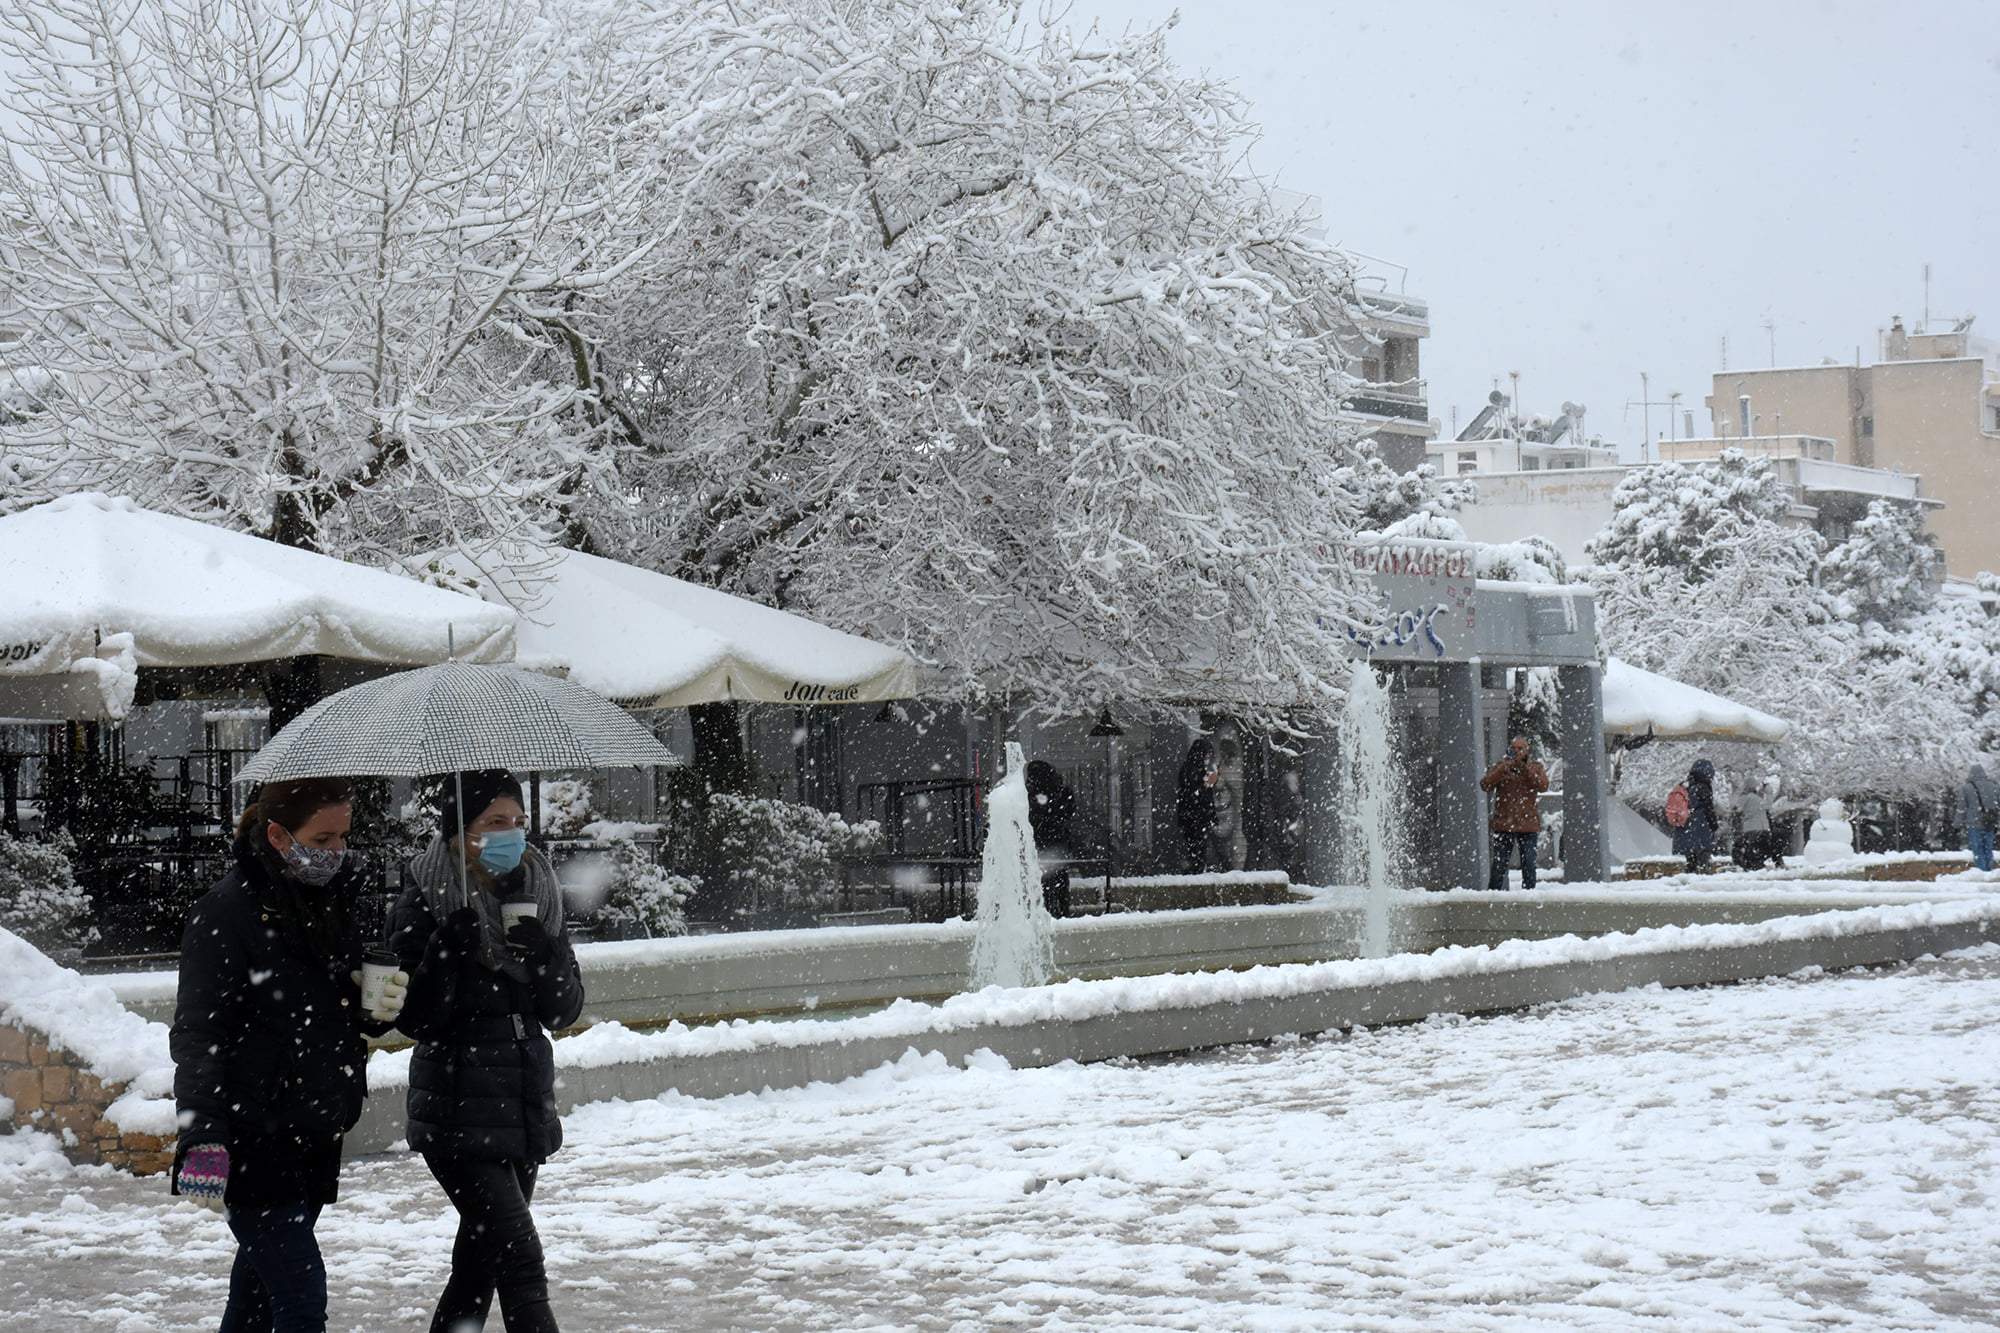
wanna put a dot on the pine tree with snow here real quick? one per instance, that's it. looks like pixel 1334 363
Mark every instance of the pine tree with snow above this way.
pixel 1886 570
pixel 1691 517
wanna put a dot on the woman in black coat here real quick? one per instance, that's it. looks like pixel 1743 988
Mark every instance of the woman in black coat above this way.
pixel 1695 839
pixel 482 1079
pixel 269 1046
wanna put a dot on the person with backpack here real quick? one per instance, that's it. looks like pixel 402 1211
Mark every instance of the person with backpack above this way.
pixel 1517 816
pixel 1979 815
pixel 1691 811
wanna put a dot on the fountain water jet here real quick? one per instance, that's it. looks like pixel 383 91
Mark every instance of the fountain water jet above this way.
pixel 1011 944
pixel 1372 843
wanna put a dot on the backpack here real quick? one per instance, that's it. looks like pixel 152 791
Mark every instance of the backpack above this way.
pixel 1989 819
pixel 1680 808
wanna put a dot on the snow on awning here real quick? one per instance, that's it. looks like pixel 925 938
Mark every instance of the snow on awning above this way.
pixel 648 640
pixel 1641 703
pixel 95 587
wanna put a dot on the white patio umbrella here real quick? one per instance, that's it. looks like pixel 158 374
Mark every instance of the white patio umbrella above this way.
pixel 456 717
pixel 93 587
pixel 651 641
pixel 1638 702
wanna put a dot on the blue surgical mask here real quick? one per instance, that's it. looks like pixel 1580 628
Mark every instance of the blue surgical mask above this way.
pixel 501 852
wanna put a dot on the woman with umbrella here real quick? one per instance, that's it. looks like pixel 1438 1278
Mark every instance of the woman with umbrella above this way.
pixel 269 1047
pixel 482 1080
pixel 482 996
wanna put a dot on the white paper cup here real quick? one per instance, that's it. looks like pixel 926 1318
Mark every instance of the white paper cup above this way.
pixel 375 978
pixel 513 913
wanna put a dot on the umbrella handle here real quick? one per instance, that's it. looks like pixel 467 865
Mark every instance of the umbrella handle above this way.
pixel 458 781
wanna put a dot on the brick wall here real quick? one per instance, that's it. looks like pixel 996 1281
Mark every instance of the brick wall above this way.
pixel 51 1093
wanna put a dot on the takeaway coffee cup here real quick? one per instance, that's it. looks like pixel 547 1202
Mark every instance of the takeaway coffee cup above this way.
pixel 379 967
pixel 516 910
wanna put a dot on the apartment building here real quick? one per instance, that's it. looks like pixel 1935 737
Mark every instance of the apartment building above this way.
pixel 1929 406
pixel 1391 406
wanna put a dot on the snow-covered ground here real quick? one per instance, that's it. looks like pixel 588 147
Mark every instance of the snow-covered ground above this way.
pixel 1796 1153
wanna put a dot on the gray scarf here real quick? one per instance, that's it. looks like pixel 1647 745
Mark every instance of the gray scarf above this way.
pixel 436 871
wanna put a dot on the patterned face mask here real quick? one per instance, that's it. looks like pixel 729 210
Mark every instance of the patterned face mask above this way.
pixel 311 866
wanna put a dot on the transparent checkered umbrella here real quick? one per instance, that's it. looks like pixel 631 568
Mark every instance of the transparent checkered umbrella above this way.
pixel 456 717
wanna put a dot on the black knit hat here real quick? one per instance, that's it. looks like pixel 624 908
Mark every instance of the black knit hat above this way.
pixel 482 788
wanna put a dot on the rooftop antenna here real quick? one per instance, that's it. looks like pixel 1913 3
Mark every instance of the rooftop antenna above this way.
pixel 1771 332
pixel 1926 326
pixel 1725 351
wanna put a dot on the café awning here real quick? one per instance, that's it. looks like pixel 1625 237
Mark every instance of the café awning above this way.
pixel 1643 703
pixel 648 640
pixel 93 587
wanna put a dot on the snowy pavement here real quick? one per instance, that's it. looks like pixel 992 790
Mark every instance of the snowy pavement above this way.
pixel 1800 1153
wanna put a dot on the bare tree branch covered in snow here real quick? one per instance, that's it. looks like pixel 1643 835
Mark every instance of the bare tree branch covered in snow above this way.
pixel 981 339
pixel 320 268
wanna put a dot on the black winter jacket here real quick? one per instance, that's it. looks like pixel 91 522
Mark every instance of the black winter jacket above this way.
pixel 269 1053
pixel 482 1079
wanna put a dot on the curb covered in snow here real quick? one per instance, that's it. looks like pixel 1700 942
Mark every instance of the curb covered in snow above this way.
pixel 1134 1016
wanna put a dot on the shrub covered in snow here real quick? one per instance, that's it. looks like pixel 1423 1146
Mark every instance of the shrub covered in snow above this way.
pixel 779 855
pixel 639 893
pixel 39 897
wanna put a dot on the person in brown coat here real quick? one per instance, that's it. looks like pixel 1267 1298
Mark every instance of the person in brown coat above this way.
pixel 1517 819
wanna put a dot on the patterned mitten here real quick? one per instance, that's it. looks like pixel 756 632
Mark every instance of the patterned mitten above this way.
pixel 205 1175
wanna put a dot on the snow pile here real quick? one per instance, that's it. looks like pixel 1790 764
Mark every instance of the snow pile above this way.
pixel 1277 878
pixel 84 1018
pixel 1072 1001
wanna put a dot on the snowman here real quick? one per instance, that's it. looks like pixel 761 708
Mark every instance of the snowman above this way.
pixel 1832 836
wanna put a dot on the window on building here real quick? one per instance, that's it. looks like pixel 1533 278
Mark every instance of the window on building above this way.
pixel 1468 462
pixel 1531 465
pixel 1868 425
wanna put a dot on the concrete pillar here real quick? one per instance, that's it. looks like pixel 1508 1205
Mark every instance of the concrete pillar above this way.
pixel 1461 839
pixel 1586 846
pixel 1319 794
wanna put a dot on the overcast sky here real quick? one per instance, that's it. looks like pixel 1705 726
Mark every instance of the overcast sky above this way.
pixel 1587 191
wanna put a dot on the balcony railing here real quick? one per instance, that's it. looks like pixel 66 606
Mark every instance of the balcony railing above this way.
pixel 1402 400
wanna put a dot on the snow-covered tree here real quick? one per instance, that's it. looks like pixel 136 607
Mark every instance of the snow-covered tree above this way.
pixel 1388 497
pixel 319 268
pixel 1702 581
pixel 1885 571
pixel 981 338
pixel 1692 518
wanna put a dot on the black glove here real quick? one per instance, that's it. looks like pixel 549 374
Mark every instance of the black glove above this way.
pixel 460 931
pixel 529 940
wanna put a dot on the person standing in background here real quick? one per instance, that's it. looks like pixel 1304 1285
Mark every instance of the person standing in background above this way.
pixel 1515 782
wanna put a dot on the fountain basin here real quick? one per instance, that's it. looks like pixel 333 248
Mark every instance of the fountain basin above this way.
pixel 1087 1021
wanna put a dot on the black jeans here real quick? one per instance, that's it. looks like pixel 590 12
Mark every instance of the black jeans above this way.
pixel 1503 846
pixel 496 1249
pixel 278 1283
